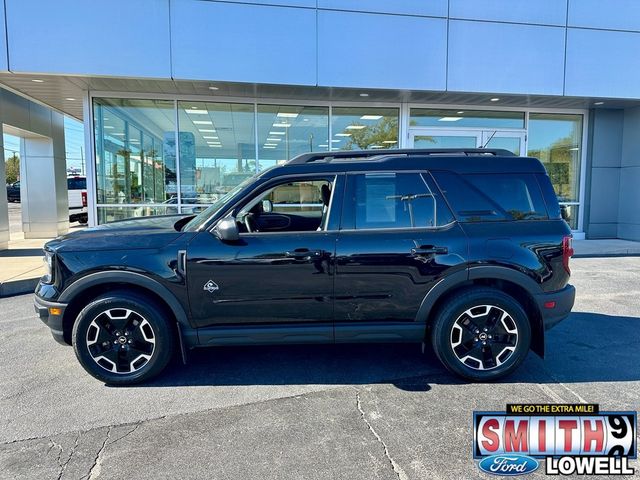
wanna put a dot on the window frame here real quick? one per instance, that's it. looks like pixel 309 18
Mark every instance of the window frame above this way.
pixel 433 189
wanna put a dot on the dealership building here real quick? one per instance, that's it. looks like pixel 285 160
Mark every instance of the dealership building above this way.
pixel 183 99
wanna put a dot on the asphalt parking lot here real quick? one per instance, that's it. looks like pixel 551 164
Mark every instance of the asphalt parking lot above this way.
pixel 356 412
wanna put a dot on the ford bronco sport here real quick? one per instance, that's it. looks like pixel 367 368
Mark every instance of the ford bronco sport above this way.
pixel 462 249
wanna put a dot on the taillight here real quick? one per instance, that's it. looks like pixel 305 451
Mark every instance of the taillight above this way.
pixel 567 252
pixel 84 199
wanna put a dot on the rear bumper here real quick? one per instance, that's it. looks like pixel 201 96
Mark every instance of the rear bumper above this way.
pixel 53 321
pixel 562 302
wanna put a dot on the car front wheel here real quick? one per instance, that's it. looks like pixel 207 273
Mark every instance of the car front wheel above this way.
pixel 123 338
pixel 481 334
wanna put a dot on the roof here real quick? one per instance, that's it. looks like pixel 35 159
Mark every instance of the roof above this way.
pixel 455 160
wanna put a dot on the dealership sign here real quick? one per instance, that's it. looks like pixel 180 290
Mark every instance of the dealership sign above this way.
pixel 570 439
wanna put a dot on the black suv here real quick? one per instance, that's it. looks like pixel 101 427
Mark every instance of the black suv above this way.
pixel 463 249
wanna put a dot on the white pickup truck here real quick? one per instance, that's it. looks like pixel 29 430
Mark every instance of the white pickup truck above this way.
pixel 77 190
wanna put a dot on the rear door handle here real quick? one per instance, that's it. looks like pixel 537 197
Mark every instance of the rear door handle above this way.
pixel 303 253
pixel 429 250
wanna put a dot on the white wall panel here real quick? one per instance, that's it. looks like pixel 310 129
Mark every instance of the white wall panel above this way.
pixel 547 12
pixel 100 37
pixel 433 8
pixel 613 14
pixel 243 43
pixel 505 58
pixel 381 51
pixel 603 63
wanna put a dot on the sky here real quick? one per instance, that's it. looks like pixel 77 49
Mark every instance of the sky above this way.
pixel 74 143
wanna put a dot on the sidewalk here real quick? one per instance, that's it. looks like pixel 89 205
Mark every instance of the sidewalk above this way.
pixel 21 266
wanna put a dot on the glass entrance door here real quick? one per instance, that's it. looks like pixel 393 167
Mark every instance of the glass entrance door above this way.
pixel 463 138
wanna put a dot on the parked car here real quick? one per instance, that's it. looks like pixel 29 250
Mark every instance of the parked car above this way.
pixel 465 250
pixel 77 193
pixel 13 192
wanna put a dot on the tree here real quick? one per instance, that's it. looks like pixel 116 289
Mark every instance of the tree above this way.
pixel 12 168
pixel 380 134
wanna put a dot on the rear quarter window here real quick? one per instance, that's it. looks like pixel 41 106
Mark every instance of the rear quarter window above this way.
pixel 492 197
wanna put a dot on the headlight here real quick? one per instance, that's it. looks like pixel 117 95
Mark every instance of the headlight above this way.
pixel 48 261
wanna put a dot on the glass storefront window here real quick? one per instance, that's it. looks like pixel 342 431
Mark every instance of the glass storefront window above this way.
pixel 285 131
pixel 112 213
pixel 217 149
pixel 132 164
pixel 556 139
pixel 431 117
pixel 363 128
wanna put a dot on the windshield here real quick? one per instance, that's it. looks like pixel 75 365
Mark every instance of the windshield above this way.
pixel 206 214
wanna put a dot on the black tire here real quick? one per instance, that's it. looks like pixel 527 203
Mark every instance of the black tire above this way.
pixel 453 334
pixel 137 320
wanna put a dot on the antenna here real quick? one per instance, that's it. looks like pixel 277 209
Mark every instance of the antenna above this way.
pixel 485 145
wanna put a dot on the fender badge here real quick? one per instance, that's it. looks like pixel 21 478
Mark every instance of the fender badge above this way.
pixel 211 286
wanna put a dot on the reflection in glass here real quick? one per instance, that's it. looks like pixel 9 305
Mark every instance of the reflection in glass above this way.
pixel 430 117
pixel 361 128
pixel 287 131
pixel 555 139
pixel 217 149
pixel 112 213
pixel 131 165
pixel 444 141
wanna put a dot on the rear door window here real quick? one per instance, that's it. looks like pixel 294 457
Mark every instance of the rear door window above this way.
pixel 76 183
pixel 393 200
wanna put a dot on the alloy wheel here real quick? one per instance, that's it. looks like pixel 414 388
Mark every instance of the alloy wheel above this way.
pixel 121 340
pixel 484 337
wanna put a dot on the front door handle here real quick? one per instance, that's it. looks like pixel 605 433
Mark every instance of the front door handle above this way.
pixel 303 254
pixel 429 250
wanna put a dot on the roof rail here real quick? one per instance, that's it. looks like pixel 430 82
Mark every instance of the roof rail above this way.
pixel 358 154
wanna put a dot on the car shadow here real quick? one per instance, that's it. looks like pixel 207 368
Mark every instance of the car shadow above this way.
pixel 587 347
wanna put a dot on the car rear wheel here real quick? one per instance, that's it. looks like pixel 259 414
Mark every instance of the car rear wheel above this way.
pixel 482 334
pixel 123 338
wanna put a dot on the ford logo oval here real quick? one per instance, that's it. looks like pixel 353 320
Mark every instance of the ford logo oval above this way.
pixel 508 464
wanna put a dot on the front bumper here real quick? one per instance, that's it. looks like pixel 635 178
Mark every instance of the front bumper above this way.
pixel 556 306
pixel 51 313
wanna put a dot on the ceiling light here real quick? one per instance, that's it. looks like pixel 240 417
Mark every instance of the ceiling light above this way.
pixel 460 112
pixel 197 111
pixel 71 99
pixel 213 88
pixel 206 130
pixel 108 127
pixel 215 146
pixel 449 119
pixel 599 103
pixel 213 137
pixel 574 149
pixel 277 133
pixel 324 145
pixel 37 80
pixel 273 139
pixel 355 127
pixel 389 141
pixel 134 140
pixel 118 134
pixel 287 115
pixel 376 146
pixel 370 117
pixel 305 119
pixel 202 122
pixel 336 141
pixel 269 148
pixel 343 134
pixel 270 144
pixel 282 125
pixel 364 94
pixel 495 99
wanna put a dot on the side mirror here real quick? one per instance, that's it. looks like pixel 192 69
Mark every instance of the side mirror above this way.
pixel 267 206
pixel 227 230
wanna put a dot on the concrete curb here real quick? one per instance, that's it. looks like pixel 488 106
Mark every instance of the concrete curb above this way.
pixel 18 287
